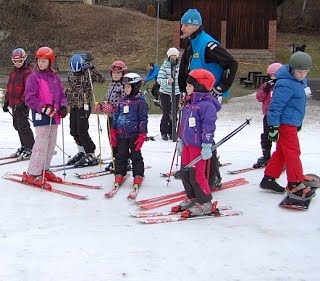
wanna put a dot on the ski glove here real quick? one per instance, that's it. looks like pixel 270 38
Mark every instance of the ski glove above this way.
pixel 273 133
pixel 139 142
pixel 5 106
pixel 48 110
pixel 107 108
pixel 206 151
pixel 269 85
pixel 63 111
pixel 20 105
pixel 179 146
pixel 113 137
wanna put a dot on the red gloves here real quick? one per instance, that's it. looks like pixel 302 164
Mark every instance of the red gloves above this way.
pixel 48 110
pixel 113 137
pixel 139 142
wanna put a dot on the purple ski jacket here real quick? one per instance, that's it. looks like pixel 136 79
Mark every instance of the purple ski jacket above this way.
pixel 199 117
pixel 44 87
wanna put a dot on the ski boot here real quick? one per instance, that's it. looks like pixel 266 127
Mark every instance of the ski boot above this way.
pixel 88 160
pixel 164 137
pixel 110 167
pixel 137 181
pixel 263 160
pixel 199 209
pixel 25 154
pixel 215 183
pixel 300 191
pixel 18 152
pixel 184 205
pixel 270 184
pixel 36 180
pixel 49 176
pixel 76 158
pixel 118 179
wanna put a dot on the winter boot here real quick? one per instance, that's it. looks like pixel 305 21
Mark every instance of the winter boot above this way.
pixel 25 154
pixel 198 210
pixel 137 180
pixel 164 137
pixel 36 180
pixel 49 176
pixel 87 160
pixel 263 160
pixel 110 167
pixel 18 152
pixel 270 184
pixel 215 183
pixel 300 191
pixel 184 205
pixel 76 158
pixel 118 179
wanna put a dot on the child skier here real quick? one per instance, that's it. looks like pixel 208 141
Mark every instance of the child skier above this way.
pixel 129 129
pixel 44 94
pixel 80 95
pixel 285 117
pixel 115 93
pixel 264 95
pixel 14 98
pixel 197 132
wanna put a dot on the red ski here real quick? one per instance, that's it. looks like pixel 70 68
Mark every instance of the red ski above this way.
pixel 69 183
pixel 225 185
pixel 134 192
pixel 46 188
pixel 244 170
pixel 115 188
pixel 173 219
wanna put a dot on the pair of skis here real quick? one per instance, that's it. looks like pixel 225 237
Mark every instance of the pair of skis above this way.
pixel 18 179
pixel 162 217
pixel 11 160
pixel 132 195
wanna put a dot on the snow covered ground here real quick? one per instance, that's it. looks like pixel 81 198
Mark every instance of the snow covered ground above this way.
pixel 44 236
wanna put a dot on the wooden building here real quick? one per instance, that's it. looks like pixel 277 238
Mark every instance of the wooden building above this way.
pixel 247 28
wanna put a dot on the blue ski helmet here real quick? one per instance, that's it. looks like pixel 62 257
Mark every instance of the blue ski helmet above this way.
pixel 76 63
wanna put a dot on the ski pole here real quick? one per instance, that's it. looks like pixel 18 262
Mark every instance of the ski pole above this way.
pixel 45 160
pixel 98 119
pixel 175 149
pixel 196 160
pixel 64 161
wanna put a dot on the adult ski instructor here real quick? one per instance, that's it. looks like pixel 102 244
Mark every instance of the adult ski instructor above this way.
pixel 203 51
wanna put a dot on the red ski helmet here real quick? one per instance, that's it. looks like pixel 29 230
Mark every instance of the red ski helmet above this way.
pixel 120 66
pixel 202 80
pixel 45 53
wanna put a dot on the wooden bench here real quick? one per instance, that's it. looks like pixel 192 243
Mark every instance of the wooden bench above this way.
pixel 248 83
pixel 241 79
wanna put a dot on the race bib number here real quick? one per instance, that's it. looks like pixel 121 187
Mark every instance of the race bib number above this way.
pixel 192 122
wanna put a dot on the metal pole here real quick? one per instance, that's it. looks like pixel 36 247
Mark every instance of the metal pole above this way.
pixel 158 15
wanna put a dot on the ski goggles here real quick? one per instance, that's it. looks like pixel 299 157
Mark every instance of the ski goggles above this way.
pixel 117 68
pixel 17 61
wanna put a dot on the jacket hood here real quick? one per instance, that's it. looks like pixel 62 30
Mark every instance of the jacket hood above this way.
pixel 199 96
pixel 285 73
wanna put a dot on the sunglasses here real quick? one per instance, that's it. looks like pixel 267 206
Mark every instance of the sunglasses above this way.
pixel 18 60
pixel 117 68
